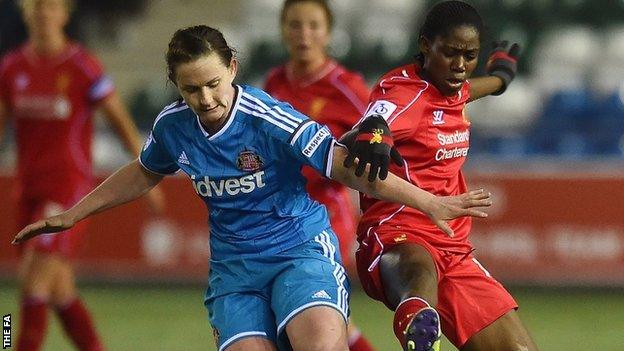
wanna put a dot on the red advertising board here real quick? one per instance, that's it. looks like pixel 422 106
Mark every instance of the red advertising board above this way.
pixel 549 229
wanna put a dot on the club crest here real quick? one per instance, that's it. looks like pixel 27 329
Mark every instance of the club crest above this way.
pixel 249 161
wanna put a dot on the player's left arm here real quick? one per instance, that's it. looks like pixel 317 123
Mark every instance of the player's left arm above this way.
pixel 395 189
pixel 501 68
pixel 119 118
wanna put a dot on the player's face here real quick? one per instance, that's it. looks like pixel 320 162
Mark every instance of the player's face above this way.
pixel 45 17
pixel 305 30
pixel 451 59
pixel 206 86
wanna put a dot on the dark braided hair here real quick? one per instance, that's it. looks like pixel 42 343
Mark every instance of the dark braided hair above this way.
pixel 191 43
pixel 445 16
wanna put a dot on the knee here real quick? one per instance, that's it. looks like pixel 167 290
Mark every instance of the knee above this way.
pixel 324 345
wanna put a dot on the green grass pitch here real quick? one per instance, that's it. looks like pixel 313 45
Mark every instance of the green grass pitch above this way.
pixel 174 318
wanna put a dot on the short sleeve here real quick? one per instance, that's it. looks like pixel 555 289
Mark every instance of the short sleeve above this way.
pixel 99 84
pixel 155 158
pixel 391 98
pixel 313 145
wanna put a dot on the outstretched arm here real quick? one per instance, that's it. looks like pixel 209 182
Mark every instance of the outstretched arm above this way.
pixel 395 189
pixel 501 69
pixel 119 118
pixel 484 86
pixel 127 184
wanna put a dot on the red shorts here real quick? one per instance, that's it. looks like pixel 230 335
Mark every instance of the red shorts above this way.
pixel 469 298
pixel 64 243
pixel 342 217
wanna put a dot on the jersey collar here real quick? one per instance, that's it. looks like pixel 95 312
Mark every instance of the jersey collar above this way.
pixel 229 118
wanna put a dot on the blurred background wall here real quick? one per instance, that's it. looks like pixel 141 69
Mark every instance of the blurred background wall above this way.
pixel 550 149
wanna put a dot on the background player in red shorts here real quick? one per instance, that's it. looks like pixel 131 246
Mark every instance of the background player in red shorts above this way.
pixel 50 87
pixel 317 85
pixel 403 259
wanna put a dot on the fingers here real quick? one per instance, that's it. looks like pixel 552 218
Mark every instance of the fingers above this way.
pixel 475 213
pixel 479 194
pixel 376 163
pixel 514 50
pixel 396 157
pixel 29 231
pixel 361 167
pixel 445 228
pixel 348 162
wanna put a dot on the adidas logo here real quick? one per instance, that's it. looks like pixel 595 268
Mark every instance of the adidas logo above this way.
pixel 321 295
pixel 183 159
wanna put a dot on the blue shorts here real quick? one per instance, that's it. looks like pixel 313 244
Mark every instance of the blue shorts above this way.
pixel 258 297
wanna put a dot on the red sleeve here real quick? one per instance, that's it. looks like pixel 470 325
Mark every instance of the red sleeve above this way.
pixel 100 85
pixel 358 89
pixel 392 97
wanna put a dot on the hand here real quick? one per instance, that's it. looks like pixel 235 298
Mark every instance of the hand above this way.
pixel 451 207
pixel 52 224
pixel 503 63
pixel 156 201
pixel 371 143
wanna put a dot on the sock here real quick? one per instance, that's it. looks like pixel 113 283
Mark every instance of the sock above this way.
pixel 357 342
pixel 33 323
pixel 404 313
pixel 79 326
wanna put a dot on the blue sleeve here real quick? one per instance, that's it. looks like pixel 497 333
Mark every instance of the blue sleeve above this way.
pixel 305 140
pixel 155 157
pixel 313 145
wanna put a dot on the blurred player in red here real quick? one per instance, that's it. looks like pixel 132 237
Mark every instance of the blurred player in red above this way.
pixel 319 87
pixel 427 277
pixel 50 88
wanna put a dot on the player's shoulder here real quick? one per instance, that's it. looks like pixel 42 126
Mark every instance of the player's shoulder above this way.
pixel 265 112
pixel 349 77
pixel 276 76
pixel 13 58
pixel 171 113
pixel 403 77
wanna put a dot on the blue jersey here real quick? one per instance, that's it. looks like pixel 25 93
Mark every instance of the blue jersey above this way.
pixel 247 173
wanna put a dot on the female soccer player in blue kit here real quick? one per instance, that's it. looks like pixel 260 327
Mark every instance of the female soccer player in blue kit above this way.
pixel 276 281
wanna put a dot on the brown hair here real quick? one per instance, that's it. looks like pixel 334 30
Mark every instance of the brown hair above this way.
pixel 191 43
pixel 70 5
pixel 322 3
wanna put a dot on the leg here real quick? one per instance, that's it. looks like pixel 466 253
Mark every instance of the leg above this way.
pixel 506 334
pixel 407 270
pixel 409 278
pixel 74 316
pixel 252 344
pixel 319 328
pixel 357 341
pixel 36 272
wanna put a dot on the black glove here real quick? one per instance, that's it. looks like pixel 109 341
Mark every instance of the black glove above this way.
pixel 503 63
pixel 371 142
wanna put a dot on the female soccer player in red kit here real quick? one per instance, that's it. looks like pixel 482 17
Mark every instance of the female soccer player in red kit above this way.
pixel 317 85
pixel 50 87
pixel 427 277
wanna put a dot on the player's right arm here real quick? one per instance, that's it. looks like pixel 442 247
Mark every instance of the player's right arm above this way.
pixel 395 189
pixel 127 184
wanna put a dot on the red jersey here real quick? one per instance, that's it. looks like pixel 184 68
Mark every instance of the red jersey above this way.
pixel 334 97
pixel 432 133
pixel 51 100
